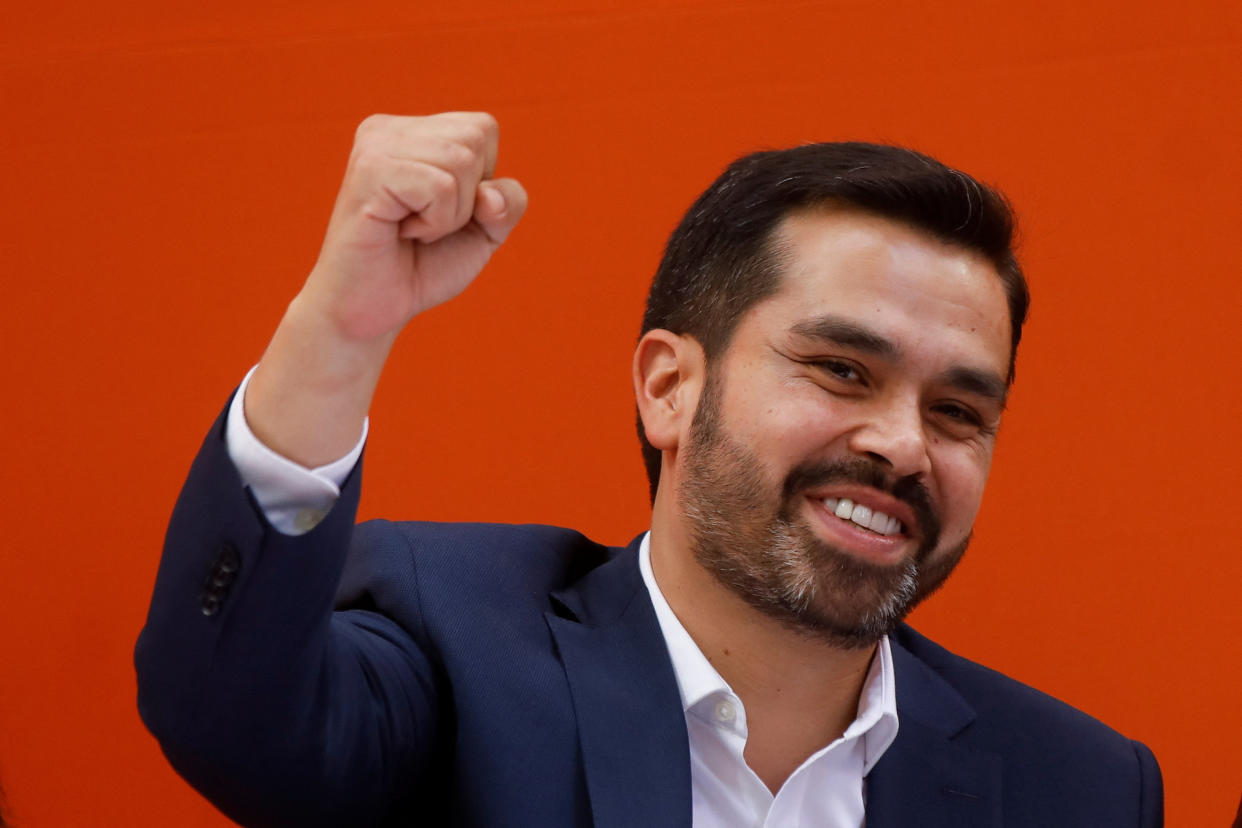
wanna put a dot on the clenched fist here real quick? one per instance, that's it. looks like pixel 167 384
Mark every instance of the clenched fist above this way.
pixel 417 217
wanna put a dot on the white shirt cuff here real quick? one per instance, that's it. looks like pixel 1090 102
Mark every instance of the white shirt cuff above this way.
pixel 293 498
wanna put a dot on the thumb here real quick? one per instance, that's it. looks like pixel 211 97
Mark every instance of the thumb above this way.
pixel 499 204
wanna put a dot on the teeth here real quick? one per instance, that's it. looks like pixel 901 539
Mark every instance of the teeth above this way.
pixel 862 516
pixel 865 517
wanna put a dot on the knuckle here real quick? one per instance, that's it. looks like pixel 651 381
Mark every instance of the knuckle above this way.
pixel 476 129
pixel 473 136
pixel 367 159
pixel 441 183
pixel 371 125
pixel 458 155
pixel 487 122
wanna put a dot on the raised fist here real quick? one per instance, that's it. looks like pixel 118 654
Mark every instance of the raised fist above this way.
pixel 417 217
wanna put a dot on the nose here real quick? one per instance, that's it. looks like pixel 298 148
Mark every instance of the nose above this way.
pixel 893 433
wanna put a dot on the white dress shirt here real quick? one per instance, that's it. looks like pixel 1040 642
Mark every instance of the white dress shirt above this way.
pixel 826 791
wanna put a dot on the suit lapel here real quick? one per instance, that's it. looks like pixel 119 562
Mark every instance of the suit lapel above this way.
pixel 631 726
pixel 632 729
pixel 925 778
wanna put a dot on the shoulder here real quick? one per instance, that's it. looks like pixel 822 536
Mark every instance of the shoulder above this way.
pixel 466 567
pixel 997 699
pixel 1045 744
pixel 479 551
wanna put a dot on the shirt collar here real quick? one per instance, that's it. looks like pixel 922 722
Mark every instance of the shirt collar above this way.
pixel 697 679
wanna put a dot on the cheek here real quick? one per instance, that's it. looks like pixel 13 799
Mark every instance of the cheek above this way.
pixel 961 475
pixel 786 424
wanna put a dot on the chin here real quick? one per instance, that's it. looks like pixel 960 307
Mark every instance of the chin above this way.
pixel 860 602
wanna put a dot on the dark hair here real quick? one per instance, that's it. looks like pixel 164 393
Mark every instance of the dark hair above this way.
pixel 720 261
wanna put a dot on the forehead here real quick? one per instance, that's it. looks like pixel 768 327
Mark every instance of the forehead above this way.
pixel 892 278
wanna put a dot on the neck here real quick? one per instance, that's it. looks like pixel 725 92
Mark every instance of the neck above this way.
pixel 800 692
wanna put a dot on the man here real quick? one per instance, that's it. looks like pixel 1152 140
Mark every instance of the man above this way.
pixel 824 362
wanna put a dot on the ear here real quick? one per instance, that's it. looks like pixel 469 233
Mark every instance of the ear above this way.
pixel 668 376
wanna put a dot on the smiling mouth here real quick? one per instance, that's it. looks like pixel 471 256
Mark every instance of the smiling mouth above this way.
pixel 860 515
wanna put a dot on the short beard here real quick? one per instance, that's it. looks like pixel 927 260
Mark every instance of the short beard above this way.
pixel 773 561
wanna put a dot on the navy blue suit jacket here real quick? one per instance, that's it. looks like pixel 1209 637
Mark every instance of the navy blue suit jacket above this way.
pixel 484 675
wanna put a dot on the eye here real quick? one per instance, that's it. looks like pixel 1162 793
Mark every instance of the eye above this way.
pixel 842 370
pixel 961 420
pixel 958 413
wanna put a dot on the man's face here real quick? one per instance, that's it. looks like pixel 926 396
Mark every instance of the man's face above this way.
pixel 840 447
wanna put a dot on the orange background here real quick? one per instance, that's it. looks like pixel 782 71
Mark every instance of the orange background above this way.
pixel 168 169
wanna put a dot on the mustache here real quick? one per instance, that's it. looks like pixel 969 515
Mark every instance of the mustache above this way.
pixel 909 490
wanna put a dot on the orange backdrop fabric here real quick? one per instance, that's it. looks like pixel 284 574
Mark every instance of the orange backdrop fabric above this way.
pixel 169 169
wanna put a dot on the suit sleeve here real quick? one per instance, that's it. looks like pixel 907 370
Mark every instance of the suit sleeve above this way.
pixel 276 708
pixel 1152 793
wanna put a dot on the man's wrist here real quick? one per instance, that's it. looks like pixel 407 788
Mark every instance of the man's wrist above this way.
pixel 293 497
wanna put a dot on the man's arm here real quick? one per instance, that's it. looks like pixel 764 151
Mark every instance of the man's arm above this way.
pixel 417 217
pixel 274 706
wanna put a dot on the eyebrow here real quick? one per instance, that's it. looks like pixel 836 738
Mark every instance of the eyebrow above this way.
pixel 980 383
pixel 843 332
pixel 846 333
